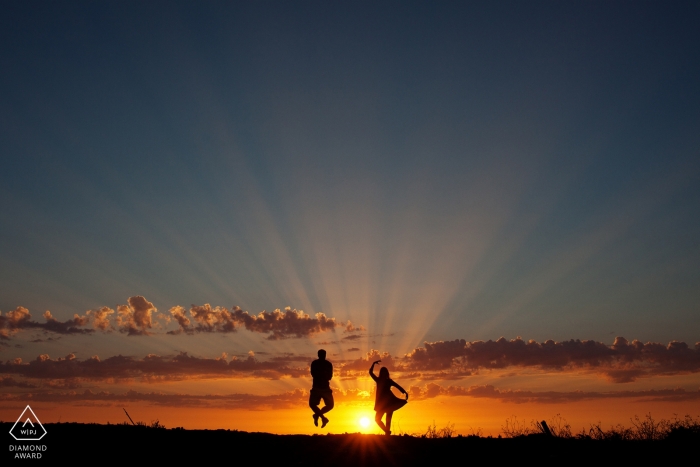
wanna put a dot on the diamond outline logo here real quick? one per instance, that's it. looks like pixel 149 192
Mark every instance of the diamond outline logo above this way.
pixel 28 420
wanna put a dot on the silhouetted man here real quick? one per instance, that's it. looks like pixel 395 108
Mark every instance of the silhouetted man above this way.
pixel 321 372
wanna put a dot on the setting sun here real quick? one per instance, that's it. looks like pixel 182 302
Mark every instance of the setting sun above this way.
pixel 364 422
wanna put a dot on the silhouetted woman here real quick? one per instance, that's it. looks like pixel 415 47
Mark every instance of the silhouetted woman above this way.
pixel 385 401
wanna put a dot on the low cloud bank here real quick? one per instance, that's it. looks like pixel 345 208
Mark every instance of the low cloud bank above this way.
pixel 152 368
pixel 229 401
pixel 623 361
pixel 432 390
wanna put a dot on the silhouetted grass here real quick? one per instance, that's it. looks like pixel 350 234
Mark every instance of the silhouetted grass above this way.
pixel 641 429
pixel 645 441
pixel 448 431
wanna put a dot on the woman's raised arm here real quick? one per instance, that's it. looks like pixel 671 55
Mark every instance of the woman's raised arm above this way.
pixel 371 370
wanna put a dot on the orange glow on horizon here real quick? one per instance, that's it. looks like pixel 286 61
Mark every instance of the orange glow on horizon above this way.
pixel 469 415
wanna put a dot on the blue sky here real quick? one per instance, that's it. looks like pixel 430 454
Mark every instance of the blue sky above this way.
pixel 435 171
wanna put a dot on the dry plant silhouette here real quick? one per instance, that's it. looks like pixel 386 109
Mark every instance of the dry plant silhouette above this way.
pixel 154 423
pixel 448 431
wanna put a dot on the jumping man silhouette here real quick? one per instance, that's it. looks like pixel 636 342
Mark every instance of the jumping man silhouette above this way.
pixel 321 372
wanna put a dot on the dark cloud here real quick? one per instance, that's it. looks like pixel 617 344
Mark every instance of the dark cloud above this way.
pixel 151 368
pixel 19 319
pixel 362 364
pixel 277 324
pixel 622 362
pixel 48 339
pixel 353 349
pixel 13 383
pixel 432 390
pixel 283 324
pixel 352 337
pixel 229 401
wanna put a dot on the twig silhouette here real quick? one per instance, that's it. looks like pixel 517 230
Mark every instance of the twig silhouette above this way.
pixel 127 414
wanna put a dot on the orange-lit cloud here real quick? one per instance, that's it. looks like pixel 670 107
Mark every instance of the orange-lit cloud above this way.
pixel 100 318
pixel 349 327
pixel 180 316
pixel 136 317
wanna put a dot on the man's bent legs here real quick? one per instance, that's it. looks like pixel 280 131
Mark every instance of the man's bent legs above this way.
pixel 329 403
pixel 314 400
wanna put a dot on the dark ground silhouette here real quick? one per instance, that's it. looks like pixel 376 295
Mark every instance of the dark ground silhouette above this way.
pixel 83 443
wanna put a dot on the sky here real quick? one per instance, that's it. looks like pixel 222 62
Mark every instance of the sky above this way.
pixel 498 199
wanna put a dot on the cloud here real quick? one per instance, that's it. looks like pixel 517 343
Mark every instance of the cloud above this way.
pixel 621 362
pixel 152 368
pixel 277 324
pixel 12 383
pixel 179 315
pixel 206 318
pixel 436 355
pixel 432 390
pixel 100 318
pixel 136 318
pixel 362 364
pixel 20 318
pixel 349 327
pixel 352 337
pixel 289 399
pixel 283 324
pixel 48 339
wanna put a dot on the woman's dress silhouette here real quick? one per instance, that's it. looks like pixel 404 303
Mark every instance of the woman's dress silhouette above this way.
pixel 385 401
